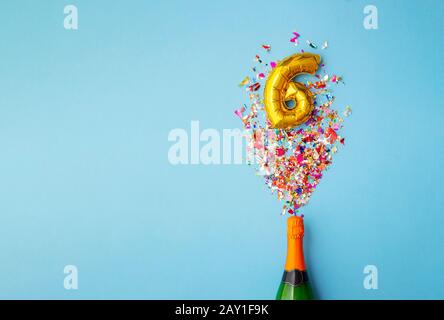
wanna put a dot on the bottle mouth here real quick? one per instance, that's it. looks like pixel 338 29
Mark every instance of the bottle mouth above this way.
pixel 295 227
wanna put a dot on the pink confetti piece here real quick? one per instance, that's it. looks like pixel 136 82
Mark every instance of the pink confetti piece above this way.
pixel 295 37
pixel 239 112
pixel 261 75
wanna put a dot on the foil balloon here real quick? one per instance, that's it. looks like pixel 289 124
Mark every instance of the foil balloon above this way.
pixel 289 103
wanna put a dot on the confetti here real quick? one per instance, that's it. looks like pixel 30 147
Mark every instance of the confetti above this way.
pixel 325 45
pixel 336 79
pixel 239 112
pixel 254 87
pixel 311 44
pixel 348 111
pixel 266 47
pixel 295 37
pixel 244 82
pixel 293 161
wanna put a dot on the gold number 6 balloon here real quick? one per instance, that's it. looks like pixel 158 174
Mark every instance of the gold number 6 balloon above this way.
pixel 290 103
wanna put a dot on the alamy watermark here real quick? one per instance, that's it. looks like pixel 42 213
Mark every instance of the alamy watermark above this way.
pixel 223 147
pixel 71 280
pixel 371 17
pixel 206 147
pixel 371 277
pixel 71 20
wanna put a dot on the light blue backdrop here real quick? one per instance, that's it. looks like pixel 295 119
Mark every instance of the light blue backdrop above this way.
pixel 84 174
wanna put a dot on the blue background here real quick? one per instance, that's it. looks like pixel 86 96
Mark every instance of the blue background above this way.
pixel 85 178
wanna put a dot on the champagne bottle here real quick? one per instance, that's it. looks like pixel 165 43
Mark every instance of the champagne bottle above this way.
pixel 294 284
